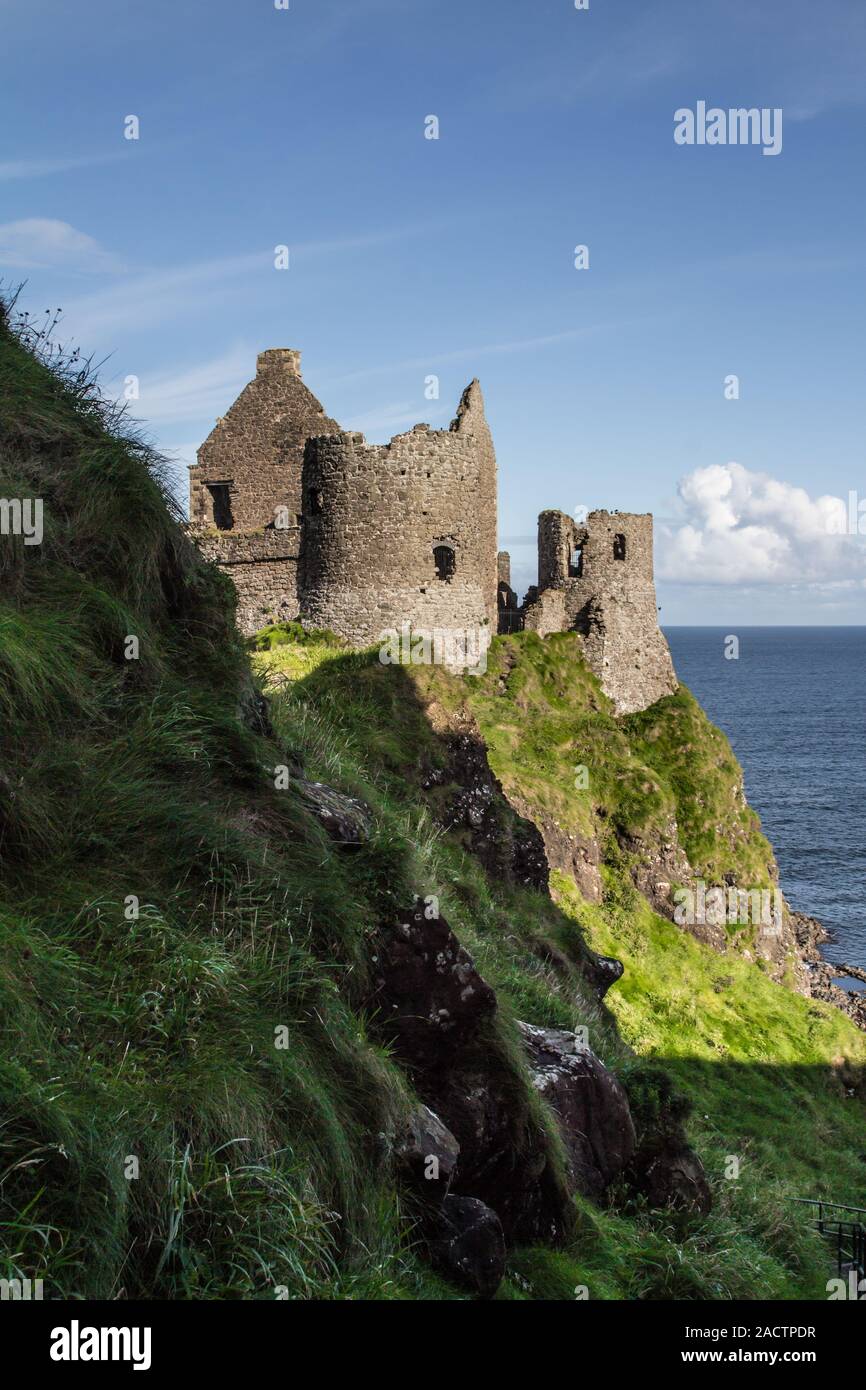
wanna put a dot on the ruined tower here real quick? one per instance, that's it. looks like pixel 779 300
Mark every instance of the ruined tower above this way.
pixel 245 489
pixel 403 532
pixel 596 578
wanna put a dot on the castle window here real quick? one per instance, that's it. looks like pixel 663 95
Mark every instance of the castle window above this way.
pixel 575 564
pixel 619 547
pixel 314 498
pixel 445 562
pixel 221 505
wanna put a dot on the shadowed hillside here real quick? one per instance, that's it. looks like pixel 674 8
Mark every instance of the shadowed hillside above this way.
pixel 205 1093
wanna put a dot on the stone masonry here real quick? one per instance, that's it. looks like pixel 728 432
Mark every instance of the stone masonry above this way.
pixel 403 532
pixel 596 579
pixel 245 489
pixel 312 522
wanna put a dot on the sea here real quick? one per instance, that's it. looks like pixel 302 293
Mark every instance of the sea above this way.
pixel 792 701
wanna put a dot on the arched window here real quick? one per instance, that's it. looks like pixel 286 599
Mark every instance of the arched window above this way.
pixel 575 563
pixel 445 562
pixel 619 547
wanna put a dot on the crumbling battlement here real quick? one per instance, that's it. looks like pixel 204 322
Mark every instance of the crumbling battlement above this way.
pixel 596 578
pixel 403 532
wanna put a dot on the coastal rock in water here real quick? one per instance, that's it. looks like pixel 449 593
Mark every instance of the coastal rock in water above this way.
pixel 589 1103
pixel 821 975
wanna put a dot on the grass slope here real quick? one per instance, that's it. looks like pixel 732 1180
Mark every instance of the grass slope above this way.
pixel 775 1081
pixel 169 919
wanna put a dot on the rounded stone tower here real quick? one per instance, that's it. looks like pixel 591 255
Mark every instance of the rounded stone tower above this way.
pixel 401 533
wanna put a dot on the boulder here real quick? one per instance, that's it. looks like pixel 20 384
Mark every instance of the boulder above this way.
pixel 468 1245
pixel 590 1105
pixel 664 1169
pixel 670 1174
pixel 346 819
pixel 428 997
pixel 426 1154
pixel 505 1156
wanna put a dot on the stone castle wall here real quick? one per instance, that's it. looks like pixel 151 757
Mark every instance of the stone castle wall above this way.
pixel 263 567
pixel 403 532
pixel 596 578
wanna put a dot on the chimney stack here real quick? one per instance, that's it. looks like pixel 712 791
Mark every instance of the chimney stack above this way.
pixel 286 360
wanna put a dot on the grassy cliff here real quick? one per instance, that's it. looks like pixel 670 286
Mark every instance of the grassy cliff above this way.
pixel 194 1103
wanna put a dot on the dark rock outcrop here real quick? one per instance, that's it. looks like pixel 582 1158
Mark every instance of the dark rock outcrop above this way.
pixel 670 1174
pixel 428 995
pixel 346 819
pixel 507 843
pixel 664 1169
pixel 426 1155
pixel 468 1245
pixel 505 1155
pixel 571 853
pixel 432 1006
pixel 589 1103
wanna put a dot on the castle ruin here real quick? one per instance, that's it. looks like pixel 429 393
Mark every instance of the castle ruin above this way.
pixel 312 522
pixel 596 578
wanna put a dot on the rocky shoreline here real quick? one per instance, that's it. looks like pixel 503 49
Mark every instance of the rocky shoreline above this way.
pixel 811 935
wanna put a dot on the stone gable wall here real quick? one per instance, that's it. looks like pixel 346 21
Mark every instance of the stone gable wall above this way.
pixel 258 446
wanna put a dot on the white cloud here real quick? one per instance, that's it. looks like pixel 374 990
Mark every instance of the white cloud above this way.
pixel 45 243
pixel 741 527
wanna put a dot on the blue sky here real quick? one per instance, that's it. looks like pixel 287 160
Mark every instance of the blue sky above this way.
pixel 455 257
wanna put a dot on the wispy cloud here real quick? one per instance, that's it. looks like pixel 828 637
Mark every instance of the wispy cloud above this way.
pixel 45 243
pixel 399 415
pixel 156 296
pixel 42 168
pixel 194 393
pixel 472 354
